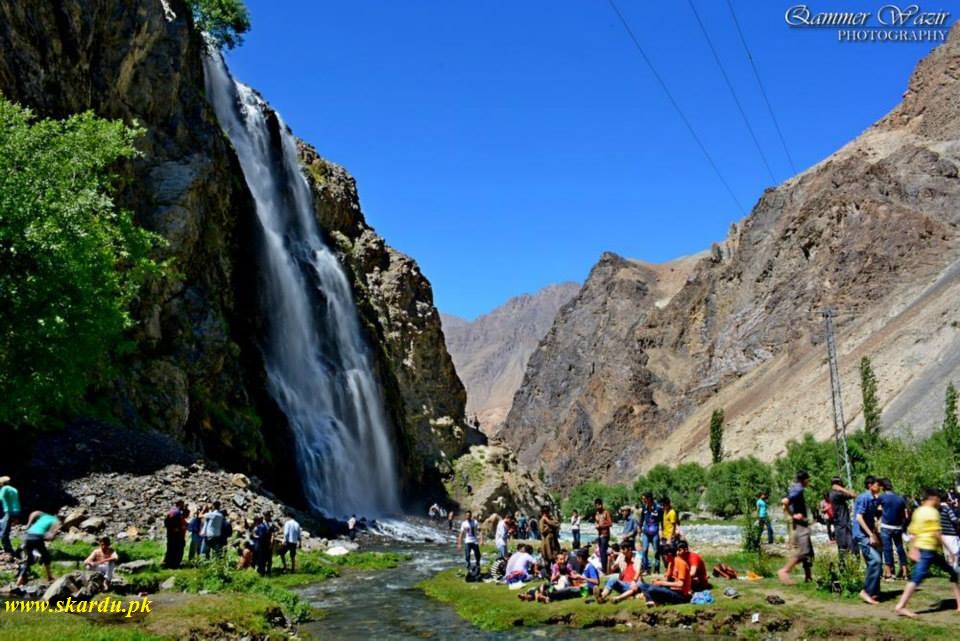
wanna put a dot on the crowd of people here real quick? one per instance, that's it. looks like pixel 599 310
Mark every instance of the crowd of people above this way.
pixel 605 570
pixel 874 530
pixel 649 539
pixel 205 534
pixel 210 532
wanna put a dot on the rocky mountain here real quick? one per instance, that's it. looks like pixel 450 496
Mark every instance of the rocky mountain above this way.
pixel 491 352
pixel 631 370
pixel 198 372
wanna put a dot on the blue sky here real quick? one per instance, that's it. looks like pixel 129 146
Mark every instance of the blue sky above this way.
pixel 506 145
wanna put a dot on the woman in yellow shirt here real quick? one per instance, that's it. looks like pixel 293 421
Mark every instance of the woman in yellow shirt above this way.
pixel 925 527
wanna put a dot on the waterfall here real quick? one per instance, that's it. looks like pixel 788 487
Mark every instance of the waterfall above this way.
pixel 318 365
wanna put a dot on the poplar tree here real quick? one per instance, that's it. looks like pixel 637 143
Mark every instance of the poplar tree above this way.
pixel 871 405
pixel 716 435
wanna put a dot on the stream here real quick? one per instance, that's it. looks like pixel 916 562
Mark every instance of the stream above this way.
pixel 387 604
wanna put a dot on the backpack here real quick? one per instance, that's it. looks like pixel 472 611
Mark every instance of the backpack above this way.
pixel 473 574
pixel 499 569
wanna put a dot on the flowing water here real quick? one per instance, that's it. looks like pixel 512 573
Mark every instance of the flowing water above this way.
pixel 317 362
pixel 388 605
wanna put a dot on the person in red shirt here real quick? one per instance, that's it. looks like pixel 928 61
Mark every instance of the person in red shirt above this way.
pixel 698 571
pixel 627 581
pixel 676 586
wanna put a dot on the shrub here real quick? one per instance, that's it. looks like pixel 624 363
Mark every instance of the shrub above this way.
pixel 71 262
pixel 225 21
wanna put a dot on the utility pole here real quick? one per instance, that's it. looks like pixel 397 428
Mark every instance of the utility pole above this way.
pixel 839 428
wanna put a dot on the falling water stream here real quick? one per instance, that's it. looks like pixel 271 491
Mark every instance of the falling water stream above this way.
pixel 318 364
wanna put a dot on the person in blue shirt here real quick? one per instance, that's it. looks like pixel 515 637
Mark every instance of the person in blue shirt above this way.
pixel 893 519
pixel 630 527
pixel 867 539
pixel 762 518
pixel 795 503
pixel 651 520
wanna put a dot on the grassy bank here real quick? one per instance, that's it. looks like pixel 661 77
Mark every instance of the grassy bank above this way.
pixel 210 600
pixel 805 614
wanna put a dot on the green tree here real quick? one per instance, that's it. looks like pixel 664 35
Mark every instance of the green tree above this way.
pixel 951 426
pixel 582 496
pixel 225 21
pixel 716 435
pixel 683 484
pixel 71 262
pixel 871 405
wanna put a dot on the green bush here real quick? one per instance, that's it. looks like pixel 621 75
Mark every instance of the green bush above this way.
pixel 841 575
pixel 225 21
pixel 71 262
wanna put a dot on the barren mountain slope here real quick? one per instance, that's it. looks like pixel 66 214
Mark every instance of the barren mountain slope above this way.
pixel 491 352
pixel 870 231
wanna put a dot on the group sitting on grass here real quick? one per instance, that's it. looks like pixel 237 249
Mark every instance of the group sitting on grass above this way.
pixel 612 569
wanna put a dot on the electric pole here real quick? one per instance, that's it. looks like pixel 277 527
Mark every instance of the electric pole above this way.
pixel 839 428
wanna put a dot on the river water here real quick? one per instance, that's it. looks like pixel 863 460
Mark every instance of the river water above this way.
pixel 387 604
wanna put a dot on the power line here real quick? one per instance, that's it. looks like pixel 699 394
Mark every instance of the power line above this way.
pixel 733 93
pixel 763 91
pixel 683 117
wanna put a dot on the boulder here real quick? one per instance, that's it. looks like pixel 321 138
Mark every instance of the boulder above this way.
pixel 66 586
pixel 169 584
pixel 134 566
pixel 74 517
pixel 78 536
pixel 93 524
pixel 487 480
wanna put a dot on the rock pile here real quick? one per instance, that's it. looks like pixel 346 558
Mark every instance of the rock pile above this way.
pixel 127 506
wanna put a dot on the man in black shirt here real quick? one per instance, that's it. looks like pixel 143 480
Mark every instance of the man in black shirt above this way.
pixel 839 498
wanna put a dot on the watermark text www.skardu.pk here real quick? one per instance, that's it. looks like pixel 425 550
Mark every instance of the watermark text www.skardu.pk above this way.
pixel 103 606
pixel 888 23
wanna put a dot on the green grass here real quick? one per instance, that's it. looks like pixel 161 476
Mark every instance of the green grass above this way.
pixel 809 614
pixel 238 597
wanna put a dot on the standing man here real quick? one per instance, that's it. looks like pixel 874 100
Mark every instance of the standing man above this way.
pixel 651 519
pixel 291 543
pixel 795 505
pixel 211 533
pixel 451 515
pixel 630 527
pixel 10 501
pixel 893 518
pixel 575 529
pixel 669 531
pixel 949 530
pixel 763 519
pixel 352 526
pixel 867 539
pixel 549 535
pixel 175 523
pixel 501 537
pixel 41 527
pixel 928 540
pixel 471 536
pixel 604 522
pixel 839 498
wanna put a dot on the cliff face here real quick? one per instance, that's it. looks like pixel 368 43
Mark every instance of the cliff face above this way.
pixel 870 231
pixel 491 352
pixel 198 372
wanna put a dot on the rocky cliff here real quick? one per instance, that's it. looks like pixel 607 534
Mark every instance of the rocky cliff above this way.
pixel 198 373
pixel 491 352
pixel 628 377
